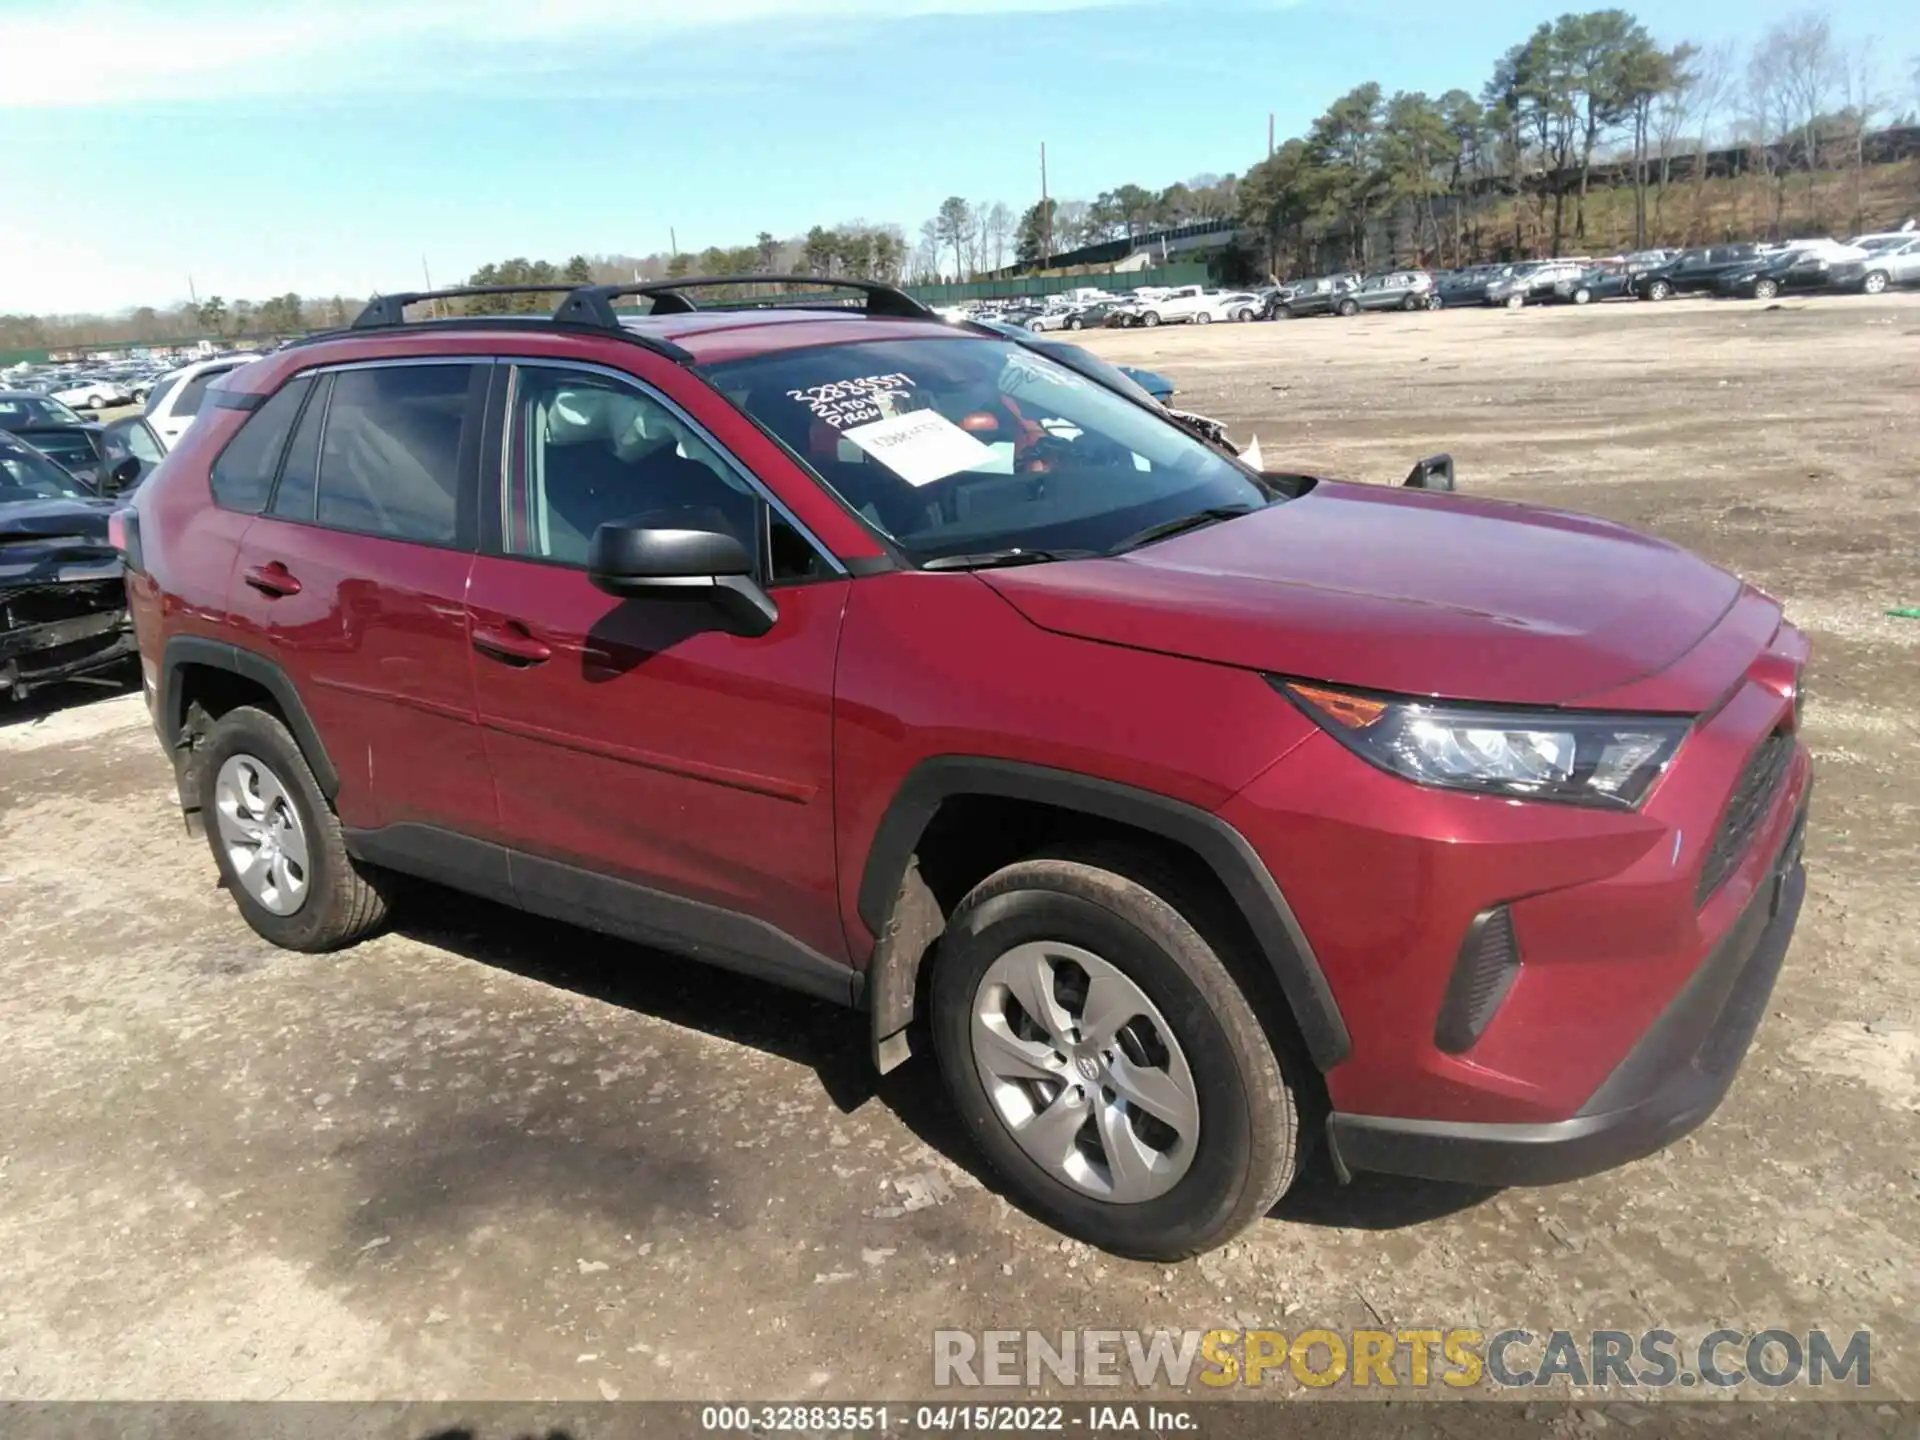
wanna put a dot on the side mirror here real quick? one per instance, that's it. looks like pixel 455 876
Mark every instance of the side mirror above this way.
pixel 1433 473
pixel 636 561
pixel 123 474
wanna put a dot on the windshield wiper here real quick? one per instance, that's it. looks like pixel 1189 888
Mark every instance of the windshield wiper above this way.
pixel 1179 524
pixel 994 559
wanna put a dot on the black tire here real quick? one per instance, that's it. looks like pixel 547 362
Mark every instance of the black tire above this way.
pixel 1125 910
pixel 1582 296
pixel 1073 322
pixel 1412 302
pixel 1874 284
pixel 344 903
pixel 1348 307
pixel 1515 301
pixel 1659 290
pixel 1201 317
pixel 1150 319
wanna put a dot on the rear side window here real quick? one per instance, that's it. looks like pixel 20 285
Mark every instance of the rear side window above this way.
pixel 242 477
pixel 157 396
pixel 390 455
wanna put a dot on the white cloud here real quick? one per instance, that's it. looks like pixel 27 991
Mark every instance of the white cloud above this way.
pixel 108 52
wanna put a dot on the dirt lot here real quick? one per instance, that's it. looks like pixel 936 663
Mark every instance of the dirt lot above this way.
pixel 488 1156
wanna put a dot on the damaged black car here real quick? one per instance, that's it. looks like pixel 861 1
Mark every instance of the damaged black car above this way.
pixel 63 602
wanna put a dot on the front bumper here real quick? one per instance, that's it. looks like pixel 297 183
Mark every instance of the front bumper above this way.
pixel 79 642
pixel 1670 1082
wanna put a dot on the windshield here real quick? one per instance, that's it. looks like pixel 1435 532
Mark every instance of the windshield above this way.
pixel 27 475
pixel 24 410
pixel 956 447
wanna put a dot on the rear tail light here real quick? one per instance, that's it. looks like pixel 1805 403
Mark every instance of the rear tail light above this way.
pixel 123 534
pixel 1489 963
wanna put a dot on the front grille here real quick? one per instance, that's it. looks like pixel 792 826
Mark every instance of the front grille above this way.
pixel 1488 964
pixel 1751 800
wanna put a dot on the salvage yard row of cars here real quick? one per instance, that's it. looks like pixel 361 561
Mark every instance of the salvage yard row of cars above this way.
pixel 63 610
pixel 1867 264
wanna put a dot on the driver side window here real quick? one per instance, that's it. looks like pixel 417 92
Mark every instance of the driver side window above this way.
pixel 585 449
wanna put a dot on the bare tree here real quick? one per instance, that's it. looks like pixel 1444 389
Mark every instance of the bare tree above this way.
pixel 1862 100
pixel 1807 62
pixel 1673 112
pixel 997 230
pixel 1768 119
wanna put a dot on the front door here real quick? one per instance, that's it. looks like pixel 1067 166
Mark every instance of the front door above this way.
pixel 640 741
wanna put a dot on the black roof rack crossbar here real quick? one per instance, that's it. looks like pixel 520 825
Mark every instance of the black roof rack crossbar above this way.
pixel 385 310
pixel 593 304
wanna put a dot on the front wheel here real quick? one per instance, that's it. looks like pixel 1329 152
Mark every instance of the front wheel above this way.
pixel 1659 290
pixel 1514 302
pixel 1349 307
pixel 1150 319
pixel 1582 296
pixel 1874 283
pixel 1765 289
pixel 1106 1061
pixel 1073 323
pixel 1202 318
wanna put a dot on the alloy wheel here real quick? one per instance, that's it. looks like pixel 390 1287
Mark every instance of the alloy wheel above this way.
pixel 1084 1072
pixel 261 830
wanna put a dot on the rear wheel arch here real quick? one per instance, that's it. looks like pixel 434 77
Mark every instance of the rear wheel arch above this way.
pixel 202 679
pixel 957 819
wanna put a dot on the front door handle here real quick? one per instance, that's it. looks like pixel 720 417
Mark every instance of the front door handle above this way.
pixel 272 580
pixel 510 643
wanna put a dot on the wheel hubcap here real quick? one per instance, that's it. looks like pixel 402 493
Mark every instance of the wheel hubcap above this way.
pixel 265 842
pixel 1084 1072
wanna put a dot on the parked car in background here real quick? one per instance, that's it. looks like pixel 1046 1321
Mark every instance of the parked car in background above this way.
pixel 56 431
pixel 1889 259
pixel 1052 318
pixel 63 606
pixel 1392 290
pixel 1802 265
pixel 1318 296
pixel 1243 305
pixel 92 394
pixel 1097 316
pixel 1534 280
pixel 1696 270
pixel 1466 286
pixel 176 397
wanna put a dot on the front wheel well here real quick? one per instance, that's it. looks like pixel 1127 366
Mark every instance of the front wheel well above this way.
pixel 970 836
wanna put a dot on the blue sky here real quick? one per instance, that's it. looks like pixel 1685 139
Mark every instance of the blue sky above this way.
pixel 325 146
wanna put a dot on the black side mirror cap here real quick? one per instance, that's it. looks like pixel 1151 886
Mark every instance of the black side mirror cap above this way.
pixel 123 474
pixel 636 561
pixel 1435 472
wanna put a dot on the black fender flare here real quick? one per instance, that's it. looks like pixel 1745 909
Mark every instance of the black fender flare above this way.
pixel 890 884
pixel 170 703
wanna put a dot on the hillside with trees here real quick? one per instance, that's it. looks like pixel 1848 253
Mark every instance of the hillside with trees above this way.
pixel 1586 136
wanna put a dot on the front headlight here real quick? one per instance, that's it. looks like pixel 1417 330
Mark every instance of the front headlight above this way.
pixel 1609 761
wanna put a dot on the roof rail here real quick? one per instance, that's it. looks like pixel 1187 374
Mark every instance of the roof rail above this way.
pixel 593 304
pixel 386 310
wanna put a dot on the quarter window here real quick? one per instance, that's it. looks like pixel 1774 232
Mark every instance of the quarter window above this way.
pixel 293 498
pixel 242 477
pixel 390 455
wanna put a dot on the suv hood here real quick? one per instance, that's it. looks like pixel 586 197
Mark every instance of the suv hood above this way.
pixel 54 541
pixel 1399 590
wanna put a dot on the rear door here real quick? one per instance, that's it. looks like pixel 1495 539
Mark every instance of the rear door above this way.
pixel 640 741
pixel 353 579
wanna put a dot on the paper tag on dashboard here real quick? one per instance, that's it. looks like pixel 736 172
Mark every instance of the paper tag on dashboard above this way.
pixel 920 447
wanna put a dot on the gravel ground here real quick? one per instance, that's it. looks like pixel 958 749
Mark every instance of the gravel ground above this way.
pixel 488 1156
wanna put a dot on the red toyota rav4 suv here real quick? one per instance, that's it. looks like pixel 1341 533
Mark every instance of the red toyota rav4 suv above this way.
pixel 1199 811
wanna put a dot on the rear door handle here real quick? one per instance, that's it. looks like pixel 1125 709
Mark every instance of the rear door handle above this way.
pixel 510 643
pixel 272 580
